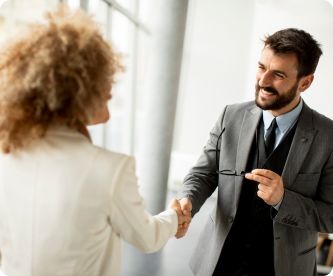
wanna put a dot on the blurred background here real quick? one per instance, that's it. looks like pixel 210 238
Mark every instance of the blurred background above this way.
pixel 185 60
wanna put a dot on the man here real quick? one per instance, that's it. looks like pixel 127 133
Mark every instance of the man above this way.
pixel 266 221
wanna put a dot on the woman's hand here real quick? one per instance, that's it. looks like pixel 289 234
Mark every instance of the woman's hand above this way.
pixel 182 220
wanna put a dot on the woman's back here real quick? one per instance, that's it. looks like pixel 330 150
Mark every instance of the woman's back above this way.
pixel 63 203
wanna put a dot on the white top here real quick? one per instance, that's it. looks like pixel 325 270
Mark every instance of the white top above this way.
pixel 64 204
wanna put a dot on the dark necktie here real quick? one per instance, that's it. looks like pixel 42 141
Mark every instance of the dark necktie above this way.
pixel 270 139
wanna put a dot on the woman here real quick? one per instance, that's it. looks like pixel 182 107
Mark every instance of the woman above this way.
pixel 64 203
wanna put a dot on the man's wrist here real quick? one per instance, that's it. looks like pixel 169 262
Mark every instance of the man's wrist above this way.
pixel 277 206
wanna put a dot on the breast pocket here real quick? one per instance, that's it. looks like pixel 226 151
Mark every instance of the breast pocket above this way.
pixel 306 184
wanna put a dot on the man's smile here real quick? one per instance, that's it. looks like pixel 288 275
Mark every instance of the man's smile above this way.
pixel 266 92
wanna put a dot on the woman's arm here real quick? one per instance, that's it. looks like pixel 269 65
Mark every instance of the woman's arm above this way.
pixel 129 218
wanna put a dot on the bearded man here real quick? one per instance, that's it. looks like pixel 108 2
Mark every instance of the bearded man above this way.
pixel 272 162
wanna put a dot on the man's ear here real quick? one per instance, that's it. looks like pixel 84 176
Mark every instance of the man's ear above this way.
pixel 305 82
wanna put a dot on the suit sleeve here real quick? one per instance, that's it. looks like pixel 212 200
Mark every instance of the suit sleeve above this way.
pixel 129 218
pixel 314 214
pixel 202 179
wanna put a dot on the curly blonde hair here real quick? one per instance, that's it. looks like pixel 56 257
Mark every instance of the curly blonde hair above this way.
pixel 55 74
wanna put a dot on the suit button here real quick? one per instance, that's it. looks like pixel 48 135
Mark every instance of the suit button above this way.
pixel 304 139
pixel 244 263
pixel 248 245
pixel 230 219
pixel 258 208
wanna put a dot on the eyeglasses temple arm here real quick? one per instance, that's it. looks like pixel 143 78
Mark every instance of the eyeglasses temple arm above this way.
pixel 217 150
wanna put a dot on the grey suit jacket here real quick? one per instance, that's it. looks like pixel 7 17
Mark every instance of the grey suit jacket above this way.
pixel 307 207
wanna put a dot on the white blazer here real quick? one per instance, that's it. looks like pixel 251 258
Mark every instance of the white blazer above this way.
pixel 64 204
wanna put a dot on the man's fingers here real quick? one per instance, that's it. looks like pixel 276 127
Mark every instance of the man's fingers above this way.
pixel 184 225
pixel 270 187
pixel 258 178
pixel 180 235
pixel 181 232
pixel 184 219
pixel 263 188
pixel 266 173
pixel 261 195
pixel 186 206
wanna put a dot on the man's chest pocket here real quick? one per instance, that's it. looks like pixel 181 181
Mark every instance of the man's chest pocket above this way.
pixel 306 184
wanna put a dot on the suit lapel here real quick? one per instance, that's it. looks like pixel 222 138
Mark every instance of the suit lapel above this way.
pixel 247 134
pixel 300 146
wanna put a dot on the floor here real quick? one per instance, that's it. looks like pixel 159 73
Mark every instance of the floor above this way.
pixel 173 259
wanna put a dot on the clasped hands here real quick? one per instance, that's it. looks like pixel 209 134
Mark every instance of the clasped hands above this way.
pixel 270 189
pixel 184 216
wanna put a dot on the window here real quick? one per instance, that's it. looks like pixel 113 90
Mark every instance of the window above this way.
pixel 15 14
pixel 121 23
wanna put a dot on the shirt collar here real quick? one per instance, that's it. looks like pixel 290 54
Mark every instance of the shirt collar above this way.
pixel 283 121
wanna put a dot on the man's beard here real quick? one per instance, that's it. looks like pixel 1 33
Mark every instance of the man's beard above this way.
pixel 279 101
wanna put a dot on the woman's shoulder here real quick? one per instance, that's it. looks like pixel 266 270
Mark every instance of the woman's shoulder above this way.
pixel 112 169
pixel 103 154
pixel 112 161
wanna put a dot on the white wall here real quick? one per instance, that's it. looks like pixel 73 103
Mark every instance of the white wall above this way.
pixel 313 16
pixel 220 60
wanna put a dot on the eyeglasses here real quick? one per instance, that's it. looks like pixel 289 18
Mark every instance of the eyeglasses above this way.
pixel 228 172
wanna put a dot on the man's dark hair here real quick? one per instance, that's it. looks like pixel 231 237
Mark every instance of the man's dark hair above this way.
pixel 299 42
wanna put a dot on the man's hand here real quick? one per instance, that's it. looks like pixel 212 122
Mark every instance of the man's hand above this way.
pixel 270 186
pixel 186 207
pixel 182 219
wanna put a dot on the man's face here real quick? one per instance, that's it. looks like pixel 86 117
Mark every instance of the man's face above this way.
pixel 277 87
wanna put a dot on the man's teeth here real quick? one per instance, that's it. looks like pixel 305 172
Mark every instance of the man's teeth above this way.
pixel 267 93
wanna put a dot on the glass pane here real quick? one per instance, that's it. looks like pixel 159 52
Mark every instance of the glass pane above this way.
pixel 141 86
pixel 146 10
pixel 2 28
pixel 73 4
pixel 120 128
pixel 100 10
pixel 129 5
pixel 15 14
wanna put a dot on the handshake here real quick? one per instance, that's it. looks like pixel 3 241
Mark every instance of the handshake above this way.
pixel 183 209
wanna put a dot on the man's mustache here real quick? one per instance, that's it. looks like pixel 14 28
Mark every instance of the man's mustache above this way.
pixel 268 89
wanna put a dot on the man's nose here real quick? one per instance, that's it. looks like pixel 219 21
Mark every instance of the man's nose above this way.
pixel 265 80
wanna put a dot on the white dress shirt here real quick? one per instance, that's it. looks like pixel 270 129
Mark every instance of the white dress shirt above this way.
pixel 64 204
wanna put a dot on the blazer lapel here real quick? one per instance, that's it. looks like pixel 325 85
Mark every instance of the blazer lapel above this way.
pixel 247 134
pixel 304 136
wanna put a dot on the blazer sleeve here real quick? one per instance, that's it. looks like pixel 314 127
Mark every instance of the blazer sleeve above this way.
pixel 202 179
pixel 129 218
pixel 314 214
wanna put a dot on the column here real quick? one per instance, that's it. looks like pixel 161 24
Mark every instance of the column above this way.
pixel 168 29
